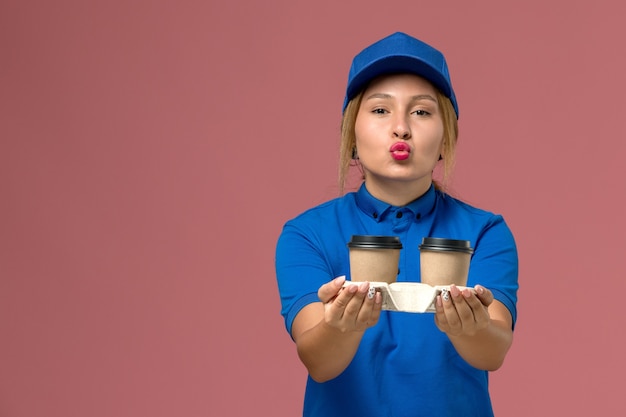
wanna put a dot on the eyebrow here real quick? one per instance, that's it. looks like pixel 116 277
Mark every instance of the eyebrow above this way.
pixel 414 98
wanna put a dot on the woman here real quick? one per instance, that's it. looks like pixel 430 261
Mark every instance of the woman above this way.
pixel 400 119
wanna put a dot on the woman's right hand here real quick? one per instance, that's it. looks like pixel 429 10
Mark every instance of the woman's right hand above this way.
pixel 350 307
pixel 328 333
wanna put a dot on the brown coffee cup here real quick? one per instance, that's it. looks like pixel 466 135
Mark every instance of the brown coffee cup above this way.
pixel 444 261
pixel 374 258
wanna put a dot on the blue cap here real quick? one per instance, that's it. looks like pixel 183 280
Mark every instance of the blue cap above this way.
pixel 399 53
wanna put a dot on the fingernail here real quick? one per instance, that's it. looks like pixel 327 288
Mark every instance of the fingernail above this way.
pixel 339 280
pixel 371 293
pixel 445 294
pixel 379 298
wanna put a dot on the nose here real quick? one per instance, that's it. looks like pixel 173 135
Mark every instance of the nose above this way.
pixel 401 129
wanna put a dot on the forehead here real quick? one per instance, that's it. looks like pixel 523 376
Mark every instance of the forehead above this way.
pixel 400 82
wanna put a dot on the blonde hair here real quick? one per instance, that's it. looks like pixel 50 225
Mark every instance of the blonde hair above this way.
pixel 348 139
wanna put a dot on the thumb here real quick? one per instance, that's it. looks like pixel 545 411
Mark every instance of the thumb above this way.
pixel 329 290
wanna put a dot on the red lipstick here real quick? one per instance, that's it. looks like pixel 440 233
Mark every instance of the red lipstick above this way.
pixel 400 151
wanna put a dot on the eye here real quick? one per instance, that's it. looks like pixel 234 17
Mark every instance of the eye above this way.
pixel 421 113
pixel 379 111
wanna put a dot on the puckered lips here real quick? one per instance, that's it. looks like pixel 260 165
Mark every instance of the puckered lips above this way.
pixel 400 151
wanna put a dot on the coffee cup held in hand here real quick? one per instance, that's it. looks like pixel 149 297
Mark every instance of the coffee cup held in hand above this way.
pixel 444 261
pixel 374 258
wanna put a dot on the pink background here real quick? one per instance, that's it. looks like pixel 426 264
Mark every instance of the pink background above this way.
pixel 150 152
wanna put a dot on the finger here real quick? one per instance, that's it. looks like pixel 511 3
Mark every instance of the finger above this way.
pixel 449 311
pixel 370 309
pixel 378 306
pixel 335 309
pixel 440 315
pixel 353 307
pixel 463 309
pixel 481 314
pixel 484 295
pixel 329 290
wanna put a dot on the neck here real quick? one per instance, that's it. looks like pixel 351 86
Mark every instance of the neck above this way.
pixel 398 193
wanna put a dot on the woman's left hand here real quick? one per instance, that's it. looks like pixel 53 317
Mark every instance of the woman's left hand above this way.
pixel 463 312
